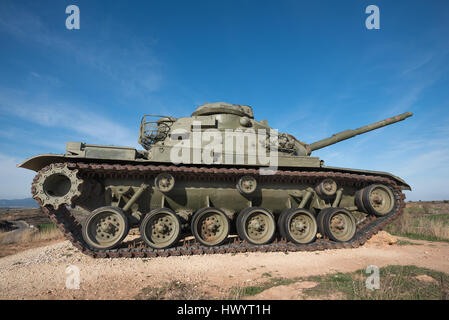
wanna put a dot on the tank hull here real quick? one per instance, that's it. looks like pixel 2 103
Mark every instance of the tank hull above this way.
pixel 38 162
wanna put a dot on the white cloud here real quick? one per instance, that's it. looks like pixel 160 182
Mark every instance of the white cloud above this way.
pixel 45 79
pixel 57 114
pixel 15 182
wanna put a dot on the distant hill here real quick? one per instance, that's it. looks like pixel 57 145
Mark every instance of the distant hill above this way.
pixel 19 203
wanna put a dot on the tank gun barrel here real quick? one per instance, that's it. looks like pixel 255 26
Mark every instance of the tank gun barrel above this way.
pixel 347 134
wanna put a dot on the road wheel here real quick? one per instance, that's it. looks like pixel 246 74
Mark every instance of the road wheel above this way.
pixel 161 228
pixel 280 225
pixel 210 226
pixel 298 225
pixel 320 221
pixel 105 228
pixel 256 225
pixel 378 199
pixel 339 224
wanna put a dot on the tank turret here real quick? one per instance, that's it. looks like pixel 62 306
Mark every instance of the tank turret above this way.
pixel 223 116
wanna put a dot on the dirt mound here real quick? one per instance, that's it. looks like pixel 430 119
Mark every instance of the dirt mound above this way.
pixel 382 238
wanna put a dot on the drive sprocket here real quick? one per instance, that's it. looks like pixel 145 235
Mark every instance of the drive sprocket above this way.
pixel 57 185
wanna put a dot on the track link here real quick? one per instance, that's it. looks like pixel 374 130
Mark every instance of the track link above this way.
pixel 71 228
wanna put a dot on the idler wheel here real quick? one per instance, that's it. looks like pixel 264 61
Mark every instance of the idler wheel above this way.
pixel 298 225
pixel 378 199
pixel 105 228
pixel 161 228
pixel 57 186
pixel 337 224
pixel 256 225
pixel 210 226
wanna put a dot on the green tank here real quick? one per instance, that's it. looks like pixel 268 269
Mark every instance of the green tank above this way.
pixel 215 182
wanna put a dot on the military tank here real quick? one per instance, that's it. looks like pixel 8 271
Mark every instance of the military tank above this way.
pixel 215 182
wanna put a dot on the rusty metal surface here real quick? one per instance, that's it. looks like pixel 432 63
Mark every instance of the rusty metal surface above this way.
pixel 71 228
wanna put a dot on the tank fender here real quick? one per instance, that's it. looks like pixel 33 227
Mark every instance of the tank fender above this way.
pixel 36 163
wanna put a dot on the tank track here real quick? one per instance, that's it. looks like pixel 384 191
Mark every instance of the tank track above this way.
pixel 71 228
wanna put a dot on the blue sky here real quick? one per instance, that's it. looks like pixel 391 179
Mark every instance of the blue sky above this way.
pixel 310 67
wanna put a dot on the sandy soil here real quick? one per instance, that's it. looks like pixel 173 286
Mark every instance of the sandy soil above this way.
pixel 40 273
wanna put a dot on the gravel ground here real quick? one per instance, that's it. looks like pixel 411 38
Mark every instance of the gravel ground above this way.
pixel 40 273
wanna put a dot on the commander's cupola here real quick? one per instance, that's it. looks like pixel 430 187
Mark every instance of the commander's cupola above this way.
pixel 224 108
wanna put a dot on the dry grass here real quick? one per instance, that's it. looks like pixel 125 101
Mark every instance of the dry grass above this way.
pixel 396 283
pixel 30 235
pixel 419 225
